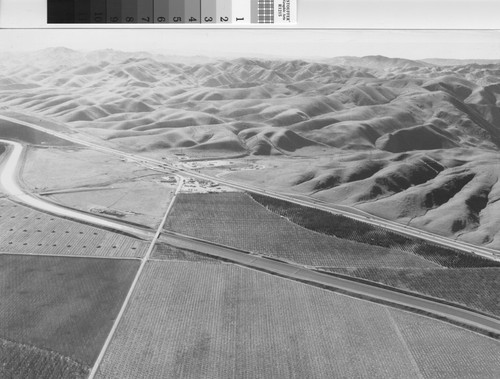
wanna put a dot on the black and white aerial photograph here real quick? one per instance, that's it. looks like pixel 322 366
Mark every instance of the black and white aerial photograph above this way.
pixel 249 204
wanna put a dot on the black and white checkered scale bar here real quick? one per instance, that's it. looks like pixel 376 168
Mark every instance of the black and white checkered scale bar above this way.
pixel 265 11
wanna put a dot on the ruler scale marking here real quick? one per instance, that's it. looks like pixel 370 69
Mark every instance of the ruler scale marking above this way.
pixel 223 11
pixel 129 11
pixel 60 11
pixel 82 11
pixel 160 9
pixel 208 11
pixel 241 12
pixel 176 11
pixel 192 13
pixel 113 11
pixel 145 11
pixel 97 11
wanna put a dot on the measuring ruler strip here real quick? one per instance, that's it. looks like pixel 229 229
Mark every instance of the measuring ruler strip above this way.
pixel 218 12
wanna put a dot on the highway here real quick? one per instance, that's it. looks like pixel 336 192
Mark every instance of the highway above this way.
pixel 301 273
pixel 8 180
pixel 9 184
pixel 355 214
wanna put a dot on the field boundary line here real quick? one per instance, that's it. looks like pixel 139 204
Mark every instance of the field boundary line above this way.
pixel 404 343
pixel 376 300
pixel 303 274
pixel 144 260
pixel 372 283
pixel 70 256
pixel 408 292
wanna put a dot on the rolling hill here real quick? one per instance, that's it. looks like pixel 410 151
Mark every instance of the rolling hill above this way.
pixel 411 141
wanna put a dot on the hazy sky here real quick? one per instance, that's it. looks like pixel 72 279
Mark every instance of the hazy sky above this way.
pixel 418 15
pixel 302 43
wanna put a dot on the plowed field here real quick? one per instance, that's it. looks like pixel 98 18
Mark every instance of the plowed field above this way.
pixel 193 320
pixel 56 307
pixel 234 219
pixel 24 230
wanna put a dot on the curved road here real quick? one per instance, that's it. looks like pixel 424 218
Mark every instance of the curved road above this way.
pixel 293 271
pixel 8 181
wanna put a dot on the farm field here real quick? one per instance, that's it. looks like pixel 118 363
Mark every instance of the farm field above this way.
pixel 27 231
pixel 57 312
pixel 24 361
pixel 444 351
pixel 476 288
pixel 164 251
pixel 191 320
pixel 234 219
pixel 346 228
pixel 100 183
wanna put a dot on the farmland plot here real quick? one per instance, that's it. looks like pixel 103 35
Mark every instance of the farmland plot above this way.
pixel 234 219
pixel 57 168
pixel 477 288
pixel 164 251
pixel 24 230
pixel 444 351
pixel 192 320
pixel 24 361
pixel 354 230
pixel 100 183
pixel 58 311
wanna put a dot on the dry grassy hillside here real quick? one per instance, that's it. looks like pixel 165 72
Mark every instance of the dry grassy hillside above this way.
pixel 411 141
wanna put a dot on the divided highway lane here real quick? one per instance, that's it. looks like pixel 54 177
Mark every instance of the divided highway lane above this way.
pixel 297 272
pixel 8 182
pixel 355 214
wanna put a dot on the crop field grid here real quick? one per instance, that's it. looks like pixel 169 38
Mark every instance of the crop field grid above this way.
pixel 236 220
pixel 444 351
pixel 57 312
pixel 343 227
pixel 24 361
pixel 193 320
pixel 24 230
pixel 476 288
pixel 164 251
